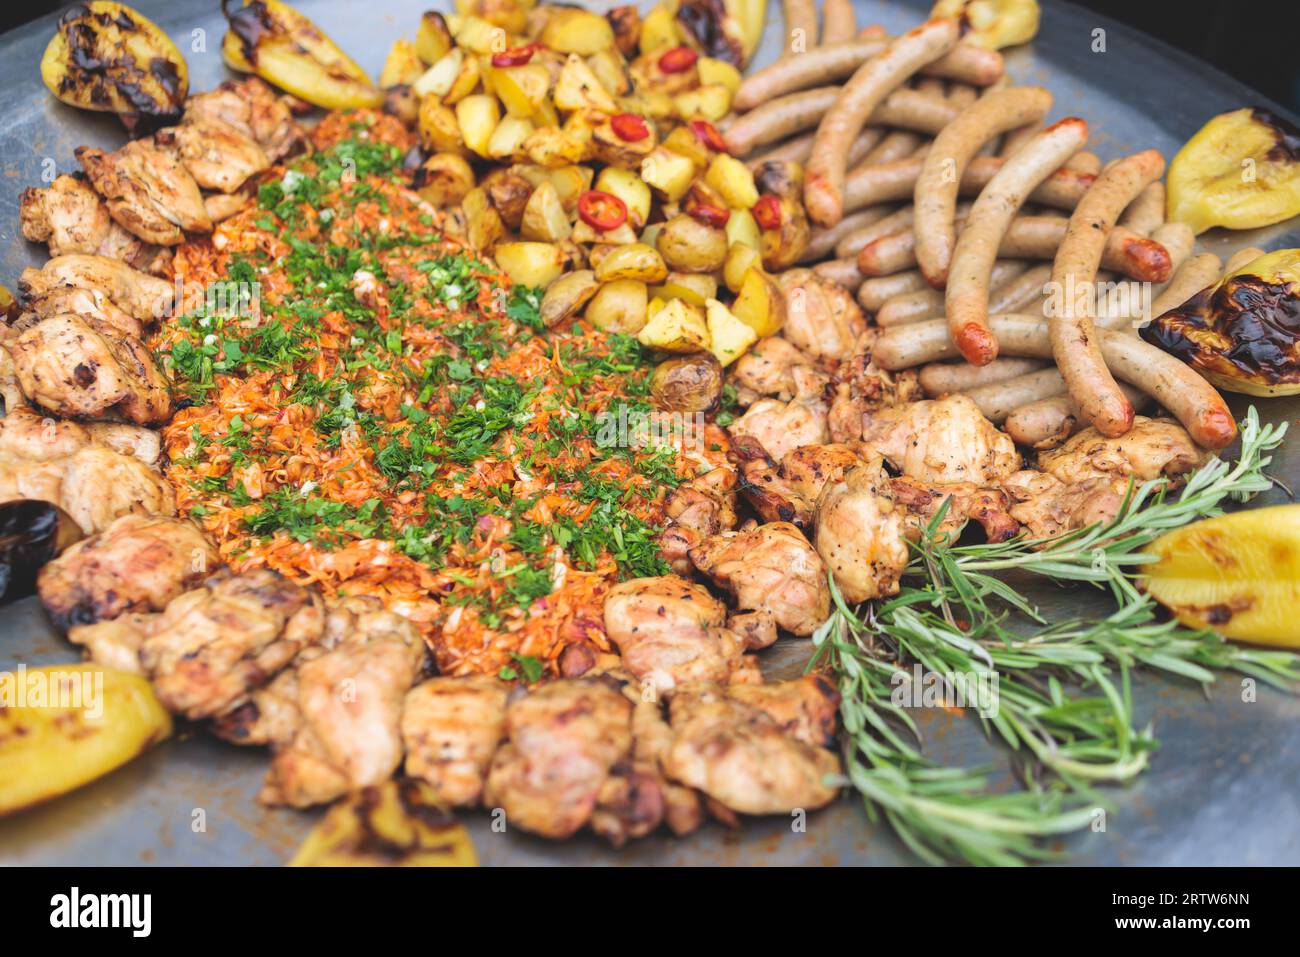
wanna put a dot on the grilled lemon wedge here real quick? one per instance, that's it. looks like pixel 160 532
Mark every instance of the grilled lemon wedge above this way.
pixel 1242 333
pixel 1242 171
pixel 1238 574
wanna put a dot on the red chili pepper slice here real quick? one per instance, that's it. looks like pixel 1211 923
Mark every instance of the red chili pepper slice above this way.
pixel 601 210
pixel 515 56
pixel 678 60
pixel 767 212
pixel 710 215
pixel 708 134
pixel 629 127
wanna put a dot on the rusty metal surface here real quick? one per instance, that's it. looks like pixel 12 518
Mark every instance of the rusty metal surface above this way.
pixel 1224 787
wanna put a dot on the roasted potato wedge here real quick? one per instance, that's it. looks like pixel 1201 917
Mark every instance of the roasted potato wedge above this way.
pixel 688 245
pixel 286 49
pixel 395 824
pixel 992 24
pixel 107 57
pixel 1241 170
pixel 619 306
pixel 1238 574
pixel 88 721
pixel 690 383
pixel 1242 333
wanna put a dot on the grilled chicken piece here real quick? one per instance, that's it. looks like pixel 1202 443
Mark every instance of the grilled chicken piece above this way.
pixel 922 501
pixel 1048 507
pixel 71 218
pixel 768 368
pixel 147 190
pixel 770 568
pixel 670 631
pixel 62 462
pixel 213 645
pixel 860 533
pixel 252 108
pixel 115 642
pixel 216 154
pixel 695 510
pixel 137 564
pixel 807 707
pixel 86 304
pixel 740 756
pixel 451 728
pixel 822 318
pixel 781 426
pixel 563 739
pixel 349 702
pixel 1151 449
pixel 85 368
pixel 138 294
pixel 942 440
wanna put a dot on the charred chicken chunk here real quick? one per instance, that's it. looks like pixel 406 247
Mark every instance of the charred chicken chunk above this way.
pixel 349 703
pixel 147 190
pixel 1153 448
pixel 670 631
pixel 213 645
pixel 741 757
pixel 860 533
pixel 451 728
pixel 769 568
pixel 942 440
pixel 85 368
pixel 137 564
pixel 562 740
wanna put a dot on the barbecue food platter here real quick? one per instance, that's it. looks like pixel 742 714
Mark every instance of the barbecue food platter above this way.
pixel 1217 790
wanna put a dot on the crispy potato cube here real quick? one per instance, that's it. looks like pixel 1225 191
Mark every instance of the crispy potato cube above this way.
pixel 530 264
pixel 740 257
pixel 93 720
pixel 669 172
pixel 477 117
pixel 508 138
pixel 522 88
pixel 483 224
pixel 633 261
pixel 729 337
pixel 628 187
pixel 571 30
pixel 402 67
pixel 759 303
pixel 659 29
pixel 432 38
pixel 733 181
pixel 578 88
pixel 677 327
pixel 544 217
pixel 619 306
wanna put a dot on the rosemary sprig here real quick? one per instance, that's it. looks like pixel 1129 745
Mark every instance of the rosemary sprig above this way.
pixel 955 621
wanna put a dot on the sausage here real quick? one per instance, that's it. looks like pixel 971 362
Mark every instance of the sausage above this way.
pixel 1174 385
pixel 1030 237
pixel 839 22
pixel 935 193
pixel 997 400
pixel 928 303
pixel 965 62
pixel 966 299
pixel 1075 345
pixel 866 90
pixel 872 293
pixel 847 248
pixel 1146 213
pixel 940 378
pixel 1047 423
pixel 824 241
pixel 869 185
pixel 800 26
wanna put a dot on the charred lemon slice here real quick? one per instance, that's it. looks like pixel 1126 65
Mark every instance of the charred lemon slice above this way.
pixel 108 57
pixel 285 48
pixel 1242 333
pixel 992 24
pixel 1242 171
pixel 1238 574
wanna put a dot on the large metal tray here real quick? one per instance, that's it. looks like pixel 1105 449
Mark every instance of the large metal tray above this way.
pixel 1224 787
